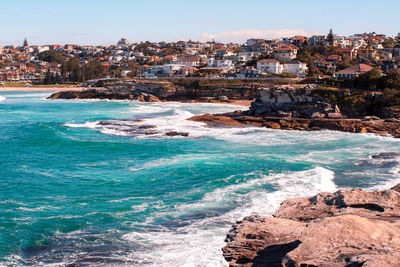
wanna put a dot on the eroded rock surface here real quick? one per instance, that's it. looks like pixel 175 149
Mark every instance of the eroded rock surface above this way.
pixel 345 228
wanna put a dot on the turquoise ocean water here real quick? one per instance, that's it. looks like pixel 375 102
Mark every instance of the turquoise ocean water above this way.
pixel 90 183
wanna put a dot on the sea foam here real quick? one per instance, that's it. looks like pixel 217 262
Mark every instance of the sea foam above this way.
pixel 199 243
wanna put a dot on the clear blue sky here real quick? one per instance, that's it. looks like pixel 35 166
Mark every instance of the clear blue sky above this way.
pixel 105 22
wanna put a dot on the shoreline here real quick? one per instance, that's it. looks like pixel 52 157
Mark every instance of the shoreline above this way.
pixel 39 89
pixel 351 125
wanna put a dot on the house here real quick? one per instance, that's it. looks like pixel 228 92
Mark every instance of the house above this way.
pixel 295 67
pixel 254 41
pixel 300 41
pixel 285 53
pixel 269 65
pixel 123 42
pixel 353 71
pixel 223 64
pixel 367 54
pixel 316 40
pixel 249 72
pixel 349 52
pixel 327 65
pixel 246 56
pixel 334 58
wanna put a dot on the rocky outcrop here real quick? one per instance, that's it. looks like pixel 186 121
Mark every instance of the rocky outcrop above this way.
pixel 106 94
pixel 345 228
pixel 167 91
pixel 363 125
pixel 302 108
pixel 290 101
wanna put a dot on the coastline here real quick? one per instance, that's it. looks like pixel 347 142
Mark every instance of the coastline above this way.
pixel 327 229
pixel 352 125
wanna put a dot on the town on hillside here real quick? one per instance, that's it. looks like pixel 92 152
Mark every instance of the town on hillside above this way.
pixel 320 56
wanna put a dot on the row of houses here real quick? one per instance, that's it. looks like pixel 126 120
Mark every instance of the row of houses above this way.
pixel 256 57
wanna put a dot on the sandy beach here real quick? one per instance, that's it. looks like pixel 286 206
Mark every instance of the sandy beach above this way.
pixel 38 89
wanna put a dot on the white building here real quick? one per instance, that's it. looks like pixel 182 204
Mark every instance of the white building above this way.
pixel 171 68
pixel 270 65
pixel 224 64
pixel 246 56
pixel 295 67
pixel 123 41
pixel 275 67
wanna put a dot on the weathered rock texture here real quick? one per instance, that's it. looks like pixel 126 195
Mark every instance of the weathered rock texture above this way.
pixel 303 108
pixel 168 91
pixel 364 125
pixel 106 94
pixel 346 228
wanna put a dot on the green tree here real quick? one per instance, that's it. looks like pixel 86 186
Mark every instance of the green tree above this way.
pixel 48 77
pixel 51 56
pixel 93 70
pixel 70 70
pixel 330 37
pixel 392 79
pixel 371 79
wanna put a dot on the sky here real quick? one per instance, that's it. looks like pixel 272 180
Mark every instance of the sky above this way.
pixel 102 22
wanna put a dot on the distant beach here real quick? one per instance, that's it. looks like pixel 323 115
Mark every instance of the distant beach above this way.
pixel 37 88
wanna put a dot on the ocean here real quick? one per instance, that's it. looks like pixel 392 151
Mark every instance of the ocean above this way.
pixel 99 183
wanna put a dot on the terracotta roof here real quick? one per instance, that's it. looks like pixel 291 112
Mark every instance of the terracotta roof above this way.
pixel 356 69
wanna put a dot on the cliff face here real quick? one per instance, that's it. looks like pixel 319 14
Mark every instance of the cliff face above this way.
pixel 106 94
pixel 309 108
pixel 166 90
pixel 346 228
pixel 289 101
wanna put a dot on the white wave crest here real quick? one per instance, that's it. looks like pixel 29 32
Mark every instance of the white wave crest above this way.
pixel 2 98
pixel 200 243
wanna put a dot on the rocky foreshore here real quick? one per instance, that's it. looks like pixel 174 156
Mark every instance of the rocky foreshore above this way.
pixel 309 108
pixel 352 125
pixel 345 228
pixel 151 91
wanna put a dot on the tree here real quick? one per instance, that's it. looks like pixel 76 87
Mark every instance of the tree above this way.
pixel 330 37
pixel 371 79
pixel 93 70
pixel 48 77
pixel 70 70
pixel 51 56
pixel 392 79
pixel 25 43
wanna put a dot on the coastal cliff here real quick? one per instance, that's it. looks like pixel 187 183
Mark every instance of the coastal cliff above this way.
pixel 345 228
pixel 185 91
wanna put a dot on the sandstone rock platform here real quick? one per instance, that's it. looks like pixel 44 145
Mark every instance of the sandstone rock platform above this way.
pixel 345 228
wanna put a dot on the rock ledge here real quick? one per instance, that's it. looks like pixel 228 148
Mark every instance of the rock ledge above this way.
pixel 345 228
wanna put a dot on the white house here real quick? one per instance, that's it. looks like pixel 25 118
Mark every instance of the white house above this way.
pixel 171 68
pixel 275 67
pixel 222 64
pixel 295 67
pixel 246 56
pixel 270 65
